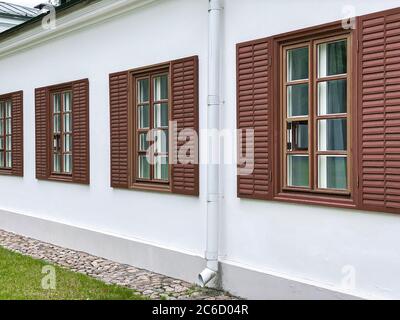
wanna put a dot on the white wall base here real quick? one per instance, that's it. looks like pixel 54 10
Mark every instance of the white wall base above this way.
pixel 257 285
pixel 236 279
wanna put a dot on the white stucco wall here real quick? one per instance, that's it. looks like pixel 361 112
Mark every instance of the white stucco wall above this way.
pixel 301 241
pixel 130 41
pixel 309 243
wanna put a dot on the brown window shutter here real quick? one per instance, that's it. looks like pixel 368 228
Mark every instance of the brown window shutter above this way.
pixel 254 111
pixel 119 100
pixel 17 134
pixel 379 111
pixel 42 125
pixel 80 122
pixel 185 103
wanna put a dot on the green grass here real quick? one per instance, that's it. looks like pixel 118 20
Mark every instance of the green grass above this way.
pixel 21 279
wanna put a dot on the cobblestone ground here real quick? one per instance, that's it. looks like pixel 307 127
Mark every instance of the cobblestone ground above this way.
pixel 150 284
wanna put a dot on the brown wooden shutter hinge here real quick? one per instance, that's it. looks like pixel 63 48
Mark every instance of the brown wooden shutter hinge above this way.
pixel 358 181
pixel 270 176
pixel 358 45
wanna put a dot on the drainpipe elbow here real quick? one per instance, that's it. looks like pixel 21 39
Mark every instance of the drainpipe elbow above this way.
pixel 206 276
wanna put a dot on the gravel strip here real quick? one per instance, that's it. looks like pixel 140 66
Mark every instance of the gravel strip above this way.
pixel 150 284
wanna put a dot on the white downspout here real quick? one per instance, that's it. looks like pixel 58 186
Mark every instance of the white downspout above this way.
pixel 213 166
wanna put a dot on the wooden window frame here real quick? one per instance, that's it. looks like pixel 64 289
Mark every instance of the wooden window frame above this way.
pixel 80 173
pixel 133 140
pixel 348 115
pixel 4 170
pixel 312 118
pixel 61 90
pixel 183 112
pixel 335 198
pixel 62 177
pixel 284 84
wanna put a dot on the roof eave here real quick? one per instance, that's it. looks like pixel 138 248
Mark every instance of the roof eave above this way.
pixel 32 22
pixel 14 16
pixel 76 16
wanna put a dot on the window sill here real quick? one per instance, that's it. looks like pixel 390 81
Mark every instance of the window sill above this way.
pixel 331 200
pixel 142 186
pixel 60 178
pixel 6 172
pixel 318 192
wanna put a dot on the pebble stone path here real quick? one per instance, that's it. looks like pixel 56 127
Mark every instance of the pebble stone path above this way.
pixel 152 285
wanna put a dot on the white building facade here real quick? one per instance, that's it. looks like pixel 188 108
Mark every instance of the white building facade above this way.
pixel 267 249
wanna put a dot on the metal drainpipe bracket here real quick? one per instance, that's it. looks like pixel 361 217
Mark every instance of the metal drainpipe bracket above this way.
pixel 214 197
pixel 215 5
pixel 213 100
pixel 211 256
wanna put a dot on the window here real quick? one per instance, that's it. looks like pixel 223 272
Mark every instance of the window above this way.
pixel 11 134
pixel 324 105
pixel 316 115
pixel 152 126
pixel 295 91
pixel 154 111
pixel 5 134
pixel 62 132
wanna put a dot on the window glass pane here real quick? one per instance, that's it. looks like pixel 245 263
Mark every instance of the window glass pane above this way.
pixel 161 88
pixel 143 143
pixel 332 172
pixel 332 135
pixel 332 97
pixel 56 123
pixel 2 164
pixel 8 109
pixel 67 102
pixel 161 115
pixel 297 135
pixel 54 143
pixel 144 117
pixel 161 168
pixel 332 58
pixel 8 160
pixel 143 168
pixel 56 102
pixel 1 143
pixel 143 90
pixel 297 64
pixel 298 171
pixel 67 122
pixel 57 163
pixel 8 126
pixel 1 127
pixel 1 110
pixel 67 163
pixel 8 143
pixel 161 141
pixel 67 143
pixel 297 97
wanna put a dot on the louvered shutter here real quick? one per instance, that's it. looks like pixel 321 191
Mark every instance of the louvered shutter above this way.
pixel 41 132
pixel 17 134
pixel 254 111
pixel 80 123
pixel 185 113
pixel 379 110
pixel 119 99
